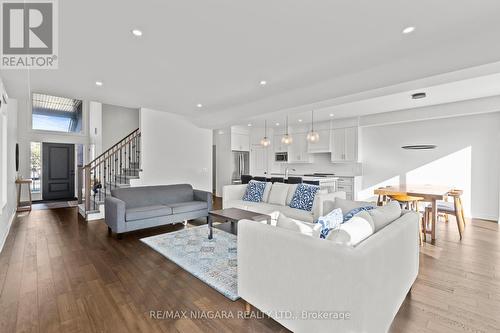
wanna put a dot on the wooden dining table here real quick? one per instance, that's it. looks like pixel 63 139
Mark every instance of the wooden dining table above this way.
pixel 429 193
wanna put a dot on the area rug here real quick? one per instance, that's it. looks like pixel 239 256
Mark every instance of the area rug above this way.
pixel 212 261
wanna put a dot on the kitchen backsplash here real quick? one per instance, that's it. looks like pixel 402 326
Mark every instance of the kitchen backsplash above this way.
pixel 322 163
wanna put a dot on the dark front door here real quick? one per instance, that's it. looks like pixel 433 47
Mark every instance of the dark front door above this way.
pixel 58 176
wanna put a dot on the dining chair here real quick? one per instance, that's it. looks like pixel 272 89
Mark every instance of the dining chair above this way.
pixel 277 180
pixel 411 203
pixel 454 208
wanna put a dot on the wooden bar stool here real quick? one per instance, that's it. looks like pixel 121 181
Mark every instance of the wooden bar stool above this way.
pixel 454 208
pixel 411 203
pixel 23 206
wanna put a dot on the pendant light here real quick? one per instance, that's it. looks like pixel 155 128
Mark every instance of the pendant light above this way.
pixel 265 142
pixel 312 136
pixel 287 138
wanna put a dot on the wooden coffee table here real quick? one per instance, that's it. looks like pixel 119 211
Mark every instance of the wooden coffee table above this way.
pixel 233 215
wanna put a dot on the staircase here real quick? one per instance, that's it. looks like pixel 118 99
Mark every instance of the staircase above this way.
pixel 114 168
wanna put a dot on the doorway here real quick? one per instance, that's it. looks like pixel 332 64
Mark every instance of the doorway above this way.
pixel 58 171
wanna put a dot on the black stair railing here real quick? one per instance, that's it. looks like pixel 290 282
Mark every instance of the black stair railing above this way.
pixel 109 168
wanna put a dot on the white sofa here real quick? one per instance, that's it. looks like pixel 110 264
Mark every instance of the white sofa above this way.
pixel 232 198
pixel 283 273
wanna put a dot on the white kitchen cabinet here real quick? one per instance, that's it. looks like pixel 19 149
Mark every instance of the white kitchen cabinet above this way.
pixel 344 144
pixel 240 142
pixel 297 150
pixel 279 147
pixel 323 145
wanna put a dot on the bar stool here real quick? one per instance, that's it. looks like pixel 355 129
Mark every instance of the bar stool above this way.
pixel 245 179
pixel 260 179
pixel 411 203
pixel 277 180
pixel 294 180
pixel 454 208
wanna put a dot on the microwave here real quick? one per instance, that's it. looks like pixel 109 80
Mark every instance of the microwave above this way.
pixel 281 157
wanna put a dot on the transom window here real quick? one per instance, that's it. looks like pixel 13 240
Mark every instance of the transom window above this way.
pixel 60 114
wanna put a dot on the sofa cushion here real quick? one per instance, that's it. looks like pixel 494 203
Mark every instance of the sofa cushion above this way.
pixel 142 196
pixel 188 206
pixel 254 191
pixel 304 197
pixel 384 215
pixel 267 190
pixel 278 194
pixel 352 212
pixel 300 226
pixel 299 214
pixel 352 232
pixel 146 212
pixel 347 205
pixel 291 192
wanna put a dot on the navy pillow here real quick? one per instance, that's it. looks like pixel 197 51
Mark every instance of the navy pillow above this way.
pixel 303 198
pixel 354 211
pixel 255 191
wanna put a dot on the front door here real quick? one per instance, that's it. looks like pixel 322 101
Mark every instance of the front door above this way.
pixel 58 171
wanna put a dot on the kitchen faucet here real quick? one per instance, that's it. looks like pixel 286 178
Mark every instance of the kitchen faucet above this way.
pixel 286 172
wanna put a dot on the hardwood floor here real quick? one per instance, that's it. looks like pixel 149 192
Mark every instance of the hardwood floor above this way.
pixel 61 274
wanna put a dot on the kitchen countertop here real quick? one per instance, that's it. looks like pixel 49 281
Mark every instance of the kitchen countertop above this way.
pixel 308 178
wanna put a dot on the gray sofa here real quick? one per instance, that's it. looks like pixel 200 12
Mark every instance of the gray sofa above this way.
pixel 135 208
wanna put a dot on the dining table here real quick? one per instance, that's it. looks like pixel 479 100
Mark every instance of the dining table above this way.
pixel 429 193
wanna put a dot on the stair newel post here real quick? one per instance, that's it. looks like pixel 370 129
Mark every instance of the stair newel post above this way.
pixel 87 187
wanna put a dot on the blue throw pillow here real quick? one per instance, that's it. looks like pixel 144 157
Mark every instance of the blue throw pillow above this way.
pixel 303 198
pixel 255 191
pixel 354 211
pixel 329 222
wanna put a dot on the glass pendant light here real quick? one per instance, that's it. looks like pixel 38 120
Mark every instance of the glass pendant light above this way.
pixel 287 138
pixel 312 136
pixel 265 142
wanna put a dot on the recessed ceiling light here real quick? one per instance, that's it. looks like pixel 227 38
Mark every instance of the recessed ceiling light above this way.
pixel 137 32
pixel 199 105
pixel 300 120
pixel 277 124
pixel 408 30
pixel 331 114
pixel 249 125
pixel 263 83
pixel 418 95
pixel 98 83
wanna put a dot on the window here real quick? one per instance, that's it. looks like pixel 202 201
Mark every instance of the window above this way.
pixel 60 114
pixel 36 166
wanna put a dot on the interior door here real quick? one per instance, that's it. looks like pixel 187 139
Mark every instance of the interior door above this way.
pixel 58 171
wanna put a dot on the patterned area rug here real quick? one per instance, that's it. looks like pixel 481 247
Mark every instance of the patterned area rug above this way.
pixel 212 261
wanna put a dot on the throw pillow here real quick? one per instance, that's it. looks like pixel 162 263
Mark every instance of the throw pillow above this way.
pixel 254 191
pixel 278 194
pixel 353 231
pixel 330 221
pixel 384 215
pixel 355 211
pixel 304 197
pixel 305 228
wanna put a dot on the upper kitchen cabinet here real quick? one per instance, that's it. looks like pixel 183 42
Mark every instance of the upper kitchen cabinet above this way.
pixel 279 147
pixel 240 140
pixel 344 144
pixel 297 151
pixel 323 145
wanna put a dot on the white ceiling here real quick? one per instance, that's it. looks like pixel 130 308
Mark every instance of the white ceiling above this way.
pixel 216 52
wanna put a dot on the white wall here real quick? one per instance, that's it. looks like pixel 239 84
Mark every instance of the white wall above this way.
pixel 8 211
pixel 117 123
pixel 174 151
pixel 467 157
pixel 223 156
pixel 95 129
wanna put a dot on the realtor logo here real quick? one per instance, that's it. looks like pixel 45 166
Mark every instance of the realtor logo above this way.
pixel 29 34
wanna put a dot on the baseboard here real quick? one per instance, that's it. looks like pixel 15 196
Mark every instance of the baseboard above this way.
pixel 11 219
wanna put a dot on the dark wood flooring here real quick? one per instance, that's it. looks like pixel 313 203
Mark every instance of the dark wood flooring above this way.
pixel 61 274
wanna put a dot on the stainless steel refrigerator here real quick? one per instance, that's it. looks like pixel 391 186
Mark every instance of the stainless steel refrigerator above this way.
pixel 241 165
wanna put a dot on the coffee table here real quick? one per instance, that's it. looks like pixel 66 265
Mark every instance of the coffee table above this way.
pixel 233 215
